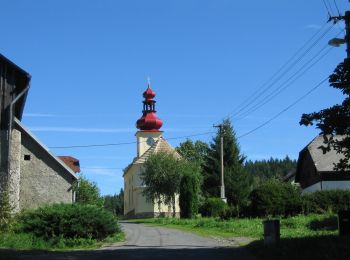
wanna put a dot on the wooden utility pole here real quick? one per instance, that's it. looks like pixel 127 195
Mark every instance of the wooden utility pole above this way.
pixel 222 187
pixel 336 41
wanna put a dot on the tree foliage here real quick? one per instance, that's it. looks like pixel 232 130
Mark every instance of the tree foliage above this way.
pixel 193 151
pixel 264 170
pixel 161 176
pixel 115 203
pixel 189 190
pixel 87 192
pixel 275 198
pixel 237 182
pixel 336 119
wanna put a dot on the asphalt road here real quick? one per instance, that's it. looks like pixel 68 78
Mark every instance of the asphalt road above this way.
pixel 154 243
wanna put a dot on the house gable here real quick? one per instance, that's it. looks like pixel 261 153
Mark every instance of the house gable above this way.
pixel 44 178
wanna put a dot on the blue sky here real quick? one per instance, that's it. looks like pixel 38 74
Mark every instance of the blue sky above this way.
pixel 90 60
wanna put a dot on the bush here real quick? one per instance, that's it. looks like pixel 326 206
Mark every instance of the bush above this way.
pixel 324 201
pixel 5 212
pixel 275 198
pixel 189 192
pixel 214 207
pixel 69 221
pixel 87 192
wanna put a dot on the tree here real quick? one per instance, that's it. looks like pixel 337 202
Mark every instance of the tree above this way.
pixel 193 151
pixel 264 170
pixel 115 203
pixel 87 192
pixel 336 119
pixel 237 182
pixel 189 189
pixel 161 175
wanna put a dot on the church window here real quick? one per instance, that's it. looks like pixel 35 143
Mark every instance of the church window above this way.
pixel 27 157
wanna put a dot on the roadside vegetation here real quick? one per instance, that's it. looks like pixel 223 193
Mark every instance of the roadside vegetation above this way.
pixel 292 227
pixel 255 192
pixel 83 225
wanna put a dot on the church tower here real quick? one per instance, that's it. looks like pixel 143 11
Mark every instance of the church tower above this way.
pixel 149 124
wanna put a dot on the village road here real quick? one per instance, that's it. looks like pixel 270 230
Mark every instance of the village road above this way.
pixel 153 243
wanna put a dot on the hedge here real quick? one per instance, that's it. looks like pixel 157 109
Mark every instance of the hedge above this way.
pixel 69 221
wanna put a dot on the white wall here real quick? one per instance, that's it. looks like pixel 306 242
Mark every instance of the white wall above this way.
pixel 328 185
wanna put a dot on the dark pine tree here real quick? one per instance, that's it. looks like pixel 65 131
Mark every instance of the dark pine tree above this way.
pixel 237 182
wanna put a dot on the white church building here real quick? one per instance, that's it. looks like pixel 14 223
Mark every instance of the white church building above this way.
pixel 149 140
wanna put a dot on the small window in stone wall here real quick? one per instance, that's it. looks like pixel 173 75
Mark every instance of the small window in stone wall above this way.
pixel 27 157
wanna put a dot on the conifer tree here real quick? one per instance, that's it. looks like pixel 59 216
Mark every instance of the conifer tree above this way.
pixel 237 182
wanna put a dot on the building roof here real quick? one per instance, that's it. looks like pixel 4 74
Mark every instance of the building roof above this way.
pixel 324 161
pixel 21 80
pixel 161 145
pixel 61 163
pixel 71 162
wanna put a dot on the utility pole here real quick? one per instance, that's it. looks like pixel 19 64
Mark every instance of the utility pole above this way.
pixel 222 187
pixel 336 42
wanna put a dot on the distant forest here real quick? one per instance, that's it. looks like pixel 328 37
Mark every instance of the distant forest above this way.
pixel 266 169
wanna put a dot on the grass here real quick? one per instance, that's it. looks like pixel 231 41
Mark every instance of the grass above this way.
pixel 302 237
pixel 299 226
pixel 27 241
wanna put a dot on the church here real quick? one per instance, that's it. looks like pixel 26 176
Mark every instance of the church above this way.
pixel 149 140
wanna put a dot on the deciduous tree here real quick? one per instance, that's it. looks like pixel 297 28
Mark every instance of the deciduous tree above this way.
pixel 336 119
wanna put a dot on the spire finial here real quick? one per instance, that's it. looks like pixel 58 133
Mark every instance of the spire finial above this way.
pixel 149 81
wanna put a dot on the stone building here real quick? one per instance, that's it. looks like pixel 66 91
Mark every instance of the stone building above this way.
pixel 30 173
pixel 149 140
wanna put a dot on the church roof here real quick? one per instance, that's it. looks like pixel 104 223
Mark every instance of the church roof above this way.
pixel 161 145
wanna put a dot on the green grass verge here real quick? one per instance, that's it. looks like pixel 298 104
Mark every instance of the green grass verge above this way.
pixel 302 237
pixel 304 248
pixel 299 226
pixel 25 241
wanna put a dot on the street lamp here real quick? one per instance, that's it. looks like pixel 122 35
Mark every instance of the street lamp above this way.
pixel 336 42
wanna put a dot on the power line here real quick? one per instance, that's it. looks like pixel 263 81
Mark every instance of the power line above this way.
pixel 125 143
pixel 284 110
pixel 293 78
pixel 281 71
pixel 329 13
pixel 336 6
pixel 101 168
pixel 287 83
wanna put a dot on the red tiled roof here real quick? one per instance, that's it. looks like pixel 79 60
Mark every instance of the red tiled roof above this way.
pixel 71 162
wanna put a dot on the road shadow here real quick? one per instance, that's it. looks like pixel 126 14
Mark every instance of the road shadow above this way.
pixel 305 248
pixel 133 253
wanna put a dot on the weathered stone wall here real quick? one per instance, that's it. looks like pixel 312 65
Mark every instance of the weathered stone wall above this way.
pixel 43 180
pixel 15 170
pixel 3 159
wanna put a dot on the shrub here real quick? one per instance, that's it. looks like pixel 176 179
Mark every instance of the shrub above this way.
pixel 69 221
pixel 189 191
pixel 5 212
pixel 214 207
pixel 87 192
pixel 274 198
pixel 324 201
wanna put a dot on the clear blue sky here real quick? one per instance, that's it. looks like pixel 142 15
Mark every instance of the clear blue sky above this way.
pixel 90 60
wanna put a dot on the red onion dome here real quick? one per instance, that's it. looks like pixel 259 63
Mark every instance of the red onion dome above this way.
pixel 149 94
pixel 149 122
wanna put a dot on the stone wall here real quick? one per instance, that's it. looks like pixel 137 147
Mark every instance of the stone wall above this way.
pixel 15 170
pixel 3 159
pixel 43 179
